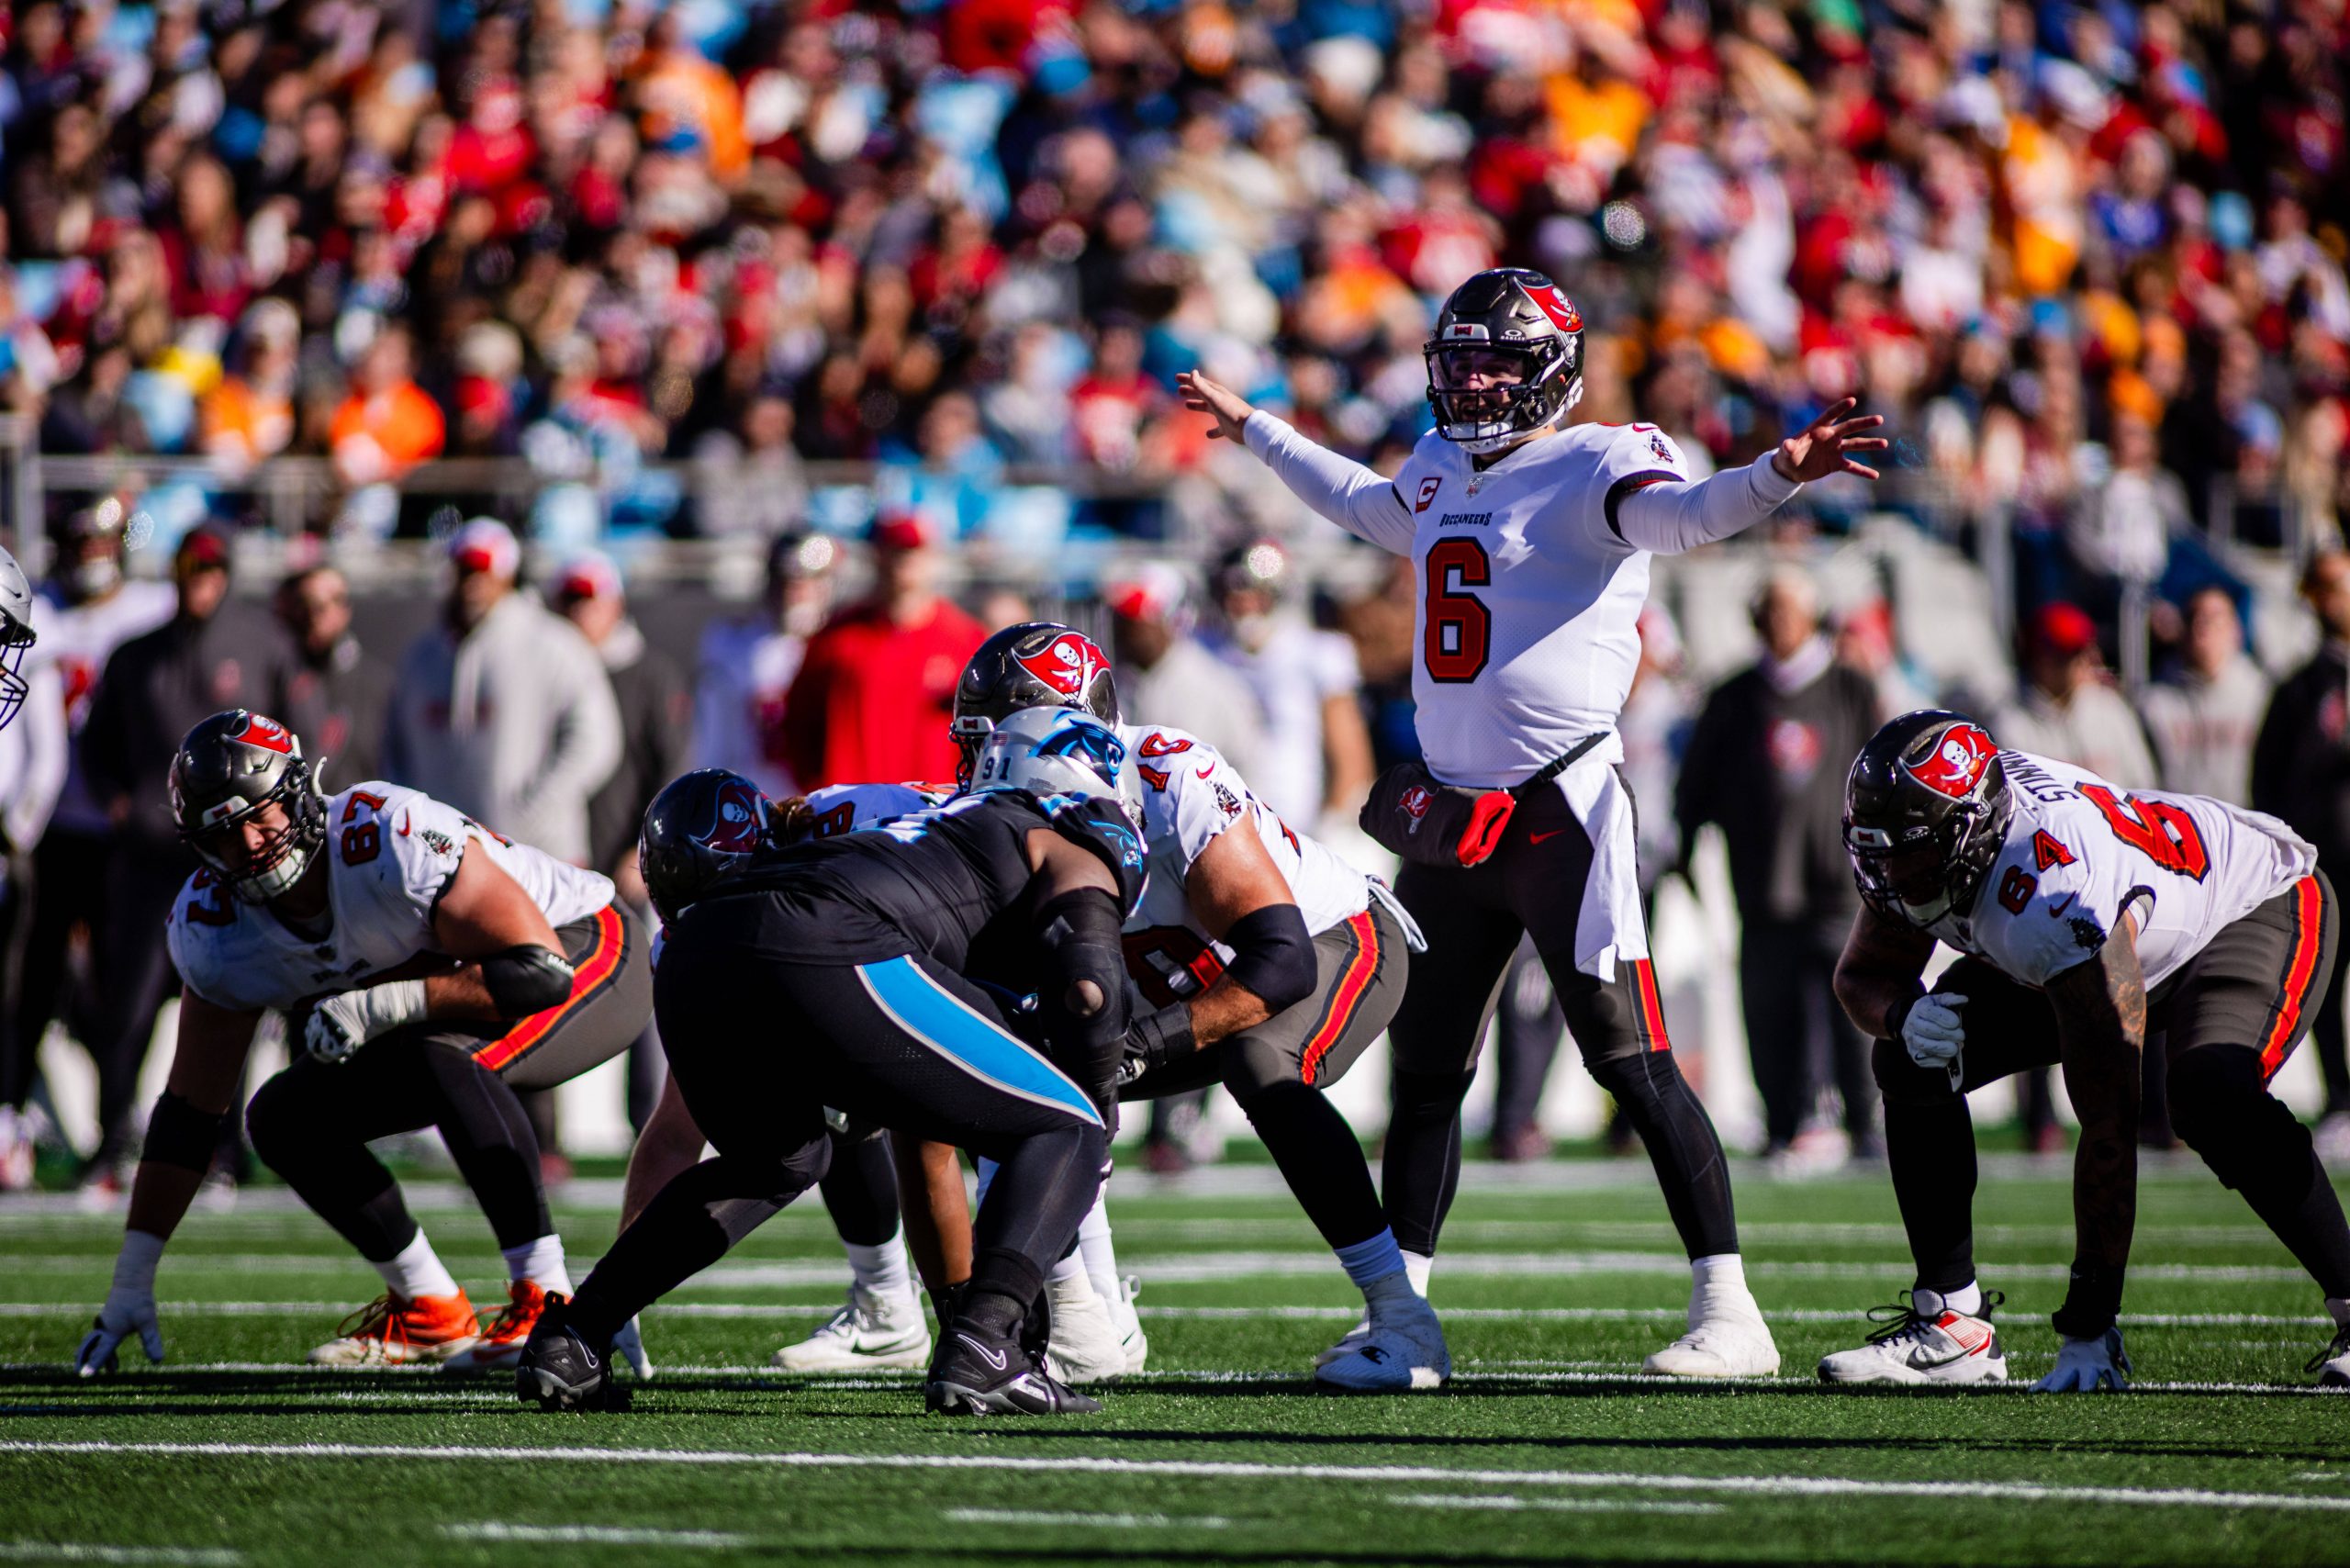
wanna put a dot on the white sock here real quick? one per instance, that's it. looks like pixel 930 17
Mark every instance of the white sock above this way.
pixel 1069 1269
pixel 416 1271
pixel 1417 1266
pixel 884 1270
pixel 1094 1246
pixel 540 1262
pixel 1724 1272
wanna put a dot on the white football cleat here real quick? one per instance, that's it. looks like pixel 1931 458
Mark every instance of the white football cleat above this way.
pixel 1084 1347
pixel 1922 1340
pixel 1128 1323
pixel 1727 1337
pixel 1402 1351
pixel 870 1331
pixel 2332 1363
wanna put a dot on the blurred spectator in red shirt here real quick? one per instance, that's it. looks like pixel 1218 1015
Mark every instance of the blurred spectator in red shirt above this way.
pixel 872 699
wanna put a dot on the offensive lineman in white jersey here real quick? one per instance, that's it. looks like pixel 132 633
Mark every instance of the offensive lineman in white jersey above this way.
pixel 1270 965
pixel 427 970
pixel 1532 542
pixel 2096 923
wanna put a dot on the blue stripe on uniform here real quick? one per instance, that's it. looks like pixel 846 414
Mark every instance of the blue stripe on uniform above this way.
pixel 947 1024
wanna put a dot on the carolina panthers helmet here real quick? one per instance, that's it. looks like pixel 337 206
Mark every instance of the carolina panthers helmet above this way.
pixel 228 768
pixel 1057 751
pixel 1926 808
pixel 1038 664
pixel 16 635
pixel 1504 320
pixel 703 827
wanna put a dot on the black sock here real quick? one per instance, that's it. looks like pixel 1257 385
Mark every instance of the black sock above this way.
pixel 689 1225
pixel 1422 1166
pixel 861 1190
pixel 1042 1189
pixel 1930 1152
pixel 1003 1284
pixel 1319 1158
pixel 1682 1144
pixel 2221 1108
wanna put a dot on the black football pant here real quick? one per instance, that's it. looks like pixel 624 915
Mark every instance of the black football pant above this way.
pixel 1533 885
pixel 1527 1029
pixel 311 1124
pixel 1797 1035
pixel 1279 1070
pixel 2225 1023
pixel 761 1047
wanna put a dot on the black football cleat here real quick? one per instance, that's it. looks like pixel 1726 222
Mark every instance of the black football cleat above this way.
pixel 561 1371
pixel 978 1375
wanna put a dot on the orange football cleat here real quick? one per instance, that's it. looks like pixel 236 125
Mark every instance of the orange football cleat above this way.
pixel 388 1331
pixel 502 1338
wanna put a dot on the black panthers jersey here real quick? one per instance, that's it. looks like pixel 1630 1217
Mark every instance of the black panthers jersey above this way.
pixel 942 881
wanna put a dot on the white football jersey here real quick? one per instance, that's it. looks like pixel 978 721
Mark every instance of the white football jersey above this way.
pixel 79 639
pixel 1189 795
pixel 1529 600
pixel 389 854
pixel 844 808
pixel 2081 852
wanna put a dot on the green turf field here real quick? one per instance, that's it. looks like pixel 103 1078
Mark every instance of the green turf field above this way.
pixel 1556 1280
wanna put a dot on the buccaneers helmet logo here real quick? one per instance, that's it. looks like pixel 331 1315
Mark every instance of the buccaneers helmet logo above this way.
pixel 1958 762
pixel 266 734
pixel 1559 308
pixel 1416 802
pixel 1068 664
pixel 735 826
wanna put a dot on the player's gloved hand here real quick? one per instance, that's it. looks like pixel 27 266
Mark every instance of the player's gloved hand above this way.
pixel 1933 1030
pixel 341 1024
pixel 2086 1366
pixel 130 1308
pixel 629 1346
pixel 1155 1039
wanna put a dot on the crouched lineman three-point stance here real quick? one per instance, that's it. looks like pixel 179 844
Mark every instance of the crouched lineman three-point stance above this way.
pixel 851 954
pixel 2095 924
pixel 427 970
pixel 1531 539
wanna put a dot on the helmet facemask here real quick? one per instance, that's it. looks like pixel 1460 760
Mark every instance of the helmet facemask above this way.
pixel 267 871
pixel 15 642
pixel 1919 872
pixel 1488 397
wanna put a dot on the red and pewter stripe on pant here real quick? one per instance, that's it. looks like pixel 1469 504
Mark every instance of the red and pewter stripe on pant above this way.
pixel 595 971
pixel 1649 1005
pixel 1353 984
pixel 2301 972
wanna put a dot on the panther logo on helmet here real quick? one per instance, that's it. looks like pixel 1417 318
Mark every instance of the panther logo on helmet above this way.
pixel 1958 762
pixel 1068 664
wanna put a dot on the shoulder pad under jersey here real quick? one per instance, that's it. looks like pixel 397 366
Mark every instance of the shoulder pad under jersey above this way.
pixel 1103 826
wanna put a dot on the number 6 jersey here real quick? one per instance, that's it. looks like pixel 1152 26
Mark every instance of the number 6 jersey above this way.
pixel 2081 852
pixel 389 854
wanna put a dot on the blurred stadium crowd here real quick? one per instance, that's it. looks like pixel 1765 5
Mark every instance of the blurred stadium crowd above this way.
pixel 679 261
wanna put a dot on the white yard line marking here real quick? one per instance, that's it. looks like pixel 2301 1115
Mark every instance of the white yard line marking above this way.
pixel 1110 1521
pixel 1505 1504
pixel 595 1535
pixel 84 1551
pixel 139 1381
pixel 784 1311
pixel 1085 1464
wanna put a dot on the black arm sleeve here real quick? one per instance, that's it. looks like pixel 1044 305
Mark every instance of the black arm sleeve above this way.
pixel 1078 932
pixel 1272 956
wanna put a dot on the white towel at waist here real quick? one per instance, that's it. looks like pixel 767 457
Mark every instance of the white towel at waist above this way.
pixel 1611 926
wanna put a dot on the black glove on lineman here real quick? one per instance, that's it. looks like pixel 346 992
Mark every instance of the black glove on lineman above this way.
pixel 1154 1039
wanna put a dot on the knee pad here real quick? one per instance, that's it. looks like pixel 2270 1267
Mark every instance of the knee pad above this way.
pixel 1902 1082
pixel 2221 1109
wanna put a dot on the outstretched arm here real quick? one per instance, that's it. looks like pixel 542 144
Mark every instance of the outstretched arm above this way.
pixel 2101 1029
pixel 1339 488
pixel 1668 516
pixel 1877 977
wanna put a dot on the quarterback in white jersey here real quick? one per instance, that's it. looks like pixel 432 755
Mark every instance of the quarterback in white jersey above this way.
pixel 1531 540
pixel 2096 923
pixel 427 969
